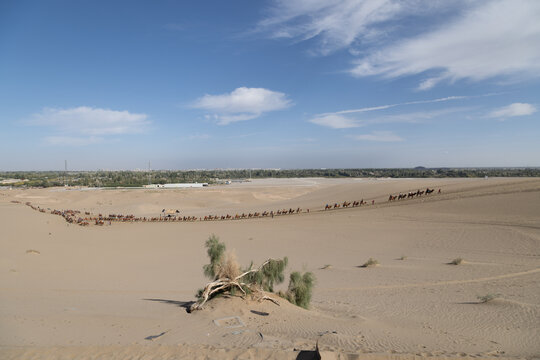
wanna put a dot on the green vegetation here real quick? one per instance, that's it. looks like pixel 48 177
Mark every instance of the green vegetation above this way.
pixel 271 274
pixel 300 289
pixel 216 252
pixel 227 278
pixel 140 178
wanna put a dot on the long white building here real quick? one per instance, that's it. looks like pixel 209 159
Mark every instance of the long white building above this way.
pixel 175 186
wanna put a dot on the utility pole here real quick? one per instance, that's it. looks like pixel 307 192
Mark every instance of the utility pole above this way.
pixel 149 176
pixel 65 172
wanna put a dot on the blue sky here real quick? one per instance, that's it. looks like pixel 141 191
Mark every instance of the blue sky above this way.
pixel 269 84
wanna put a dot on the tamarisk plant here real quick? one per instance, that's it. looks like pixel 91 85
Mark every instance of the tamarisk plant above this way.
pixel 300 286
pixel 227 277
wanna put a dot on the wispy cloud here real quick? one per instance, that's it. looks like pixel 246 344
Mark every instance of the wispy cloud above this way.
pixel 513 110
pixel 242 104
pixel 86 120
pixel 388 106
pixel 337 121
pixel 479 39
pixel 85 125
pixel 494 38
pixel 381 136
pixel 337 24
pixel 344 119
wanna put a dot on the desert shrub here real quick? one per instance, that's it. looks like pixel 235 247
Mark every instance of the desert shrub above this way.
pixel 457 261
pixel 403 257
pixel 487 298
pixel 228 278
pixel 270 274
pixel 300 288
pixel 371 262
pixel 215 251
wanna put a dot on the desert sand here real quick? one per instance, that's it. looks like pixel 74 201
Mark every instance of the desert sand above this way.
pixel 121 291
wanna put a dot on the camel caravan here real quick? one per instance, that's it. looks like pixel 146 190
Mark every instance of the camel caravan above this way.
pixel 411 194
pixel 170 215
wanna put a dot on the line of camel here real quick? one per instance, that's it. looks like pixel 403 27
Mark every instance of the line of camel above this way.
pixel 76 217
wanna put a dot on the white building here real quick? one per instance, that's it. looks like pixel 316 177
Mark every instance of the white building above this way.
pixel 175 186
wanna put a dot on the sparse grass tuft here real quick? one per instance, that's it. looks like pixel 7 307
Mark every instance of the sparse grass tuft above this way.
pixel 327 266
pixel 403 257
pixel 456 261
pixel 371 262
pixel 487 298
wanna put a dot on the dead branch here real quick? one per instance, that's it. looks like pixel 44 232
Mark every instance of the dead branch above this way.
pixel 266 297
pixel 225 284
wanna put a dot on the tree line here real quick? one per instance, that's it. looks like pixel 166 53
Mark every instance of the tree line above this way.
pixel 140 178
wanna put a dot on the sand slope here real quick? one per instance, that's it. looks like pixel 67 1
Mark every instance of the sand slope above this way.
pixel 119 291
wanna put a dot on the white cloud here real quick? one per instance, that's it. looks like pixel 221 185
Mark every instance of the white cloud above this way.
pixel 90 121
pixel 336 23
pixel 450 40
pixel 512 110
pixel 495 38
pixel 381 136
pixel 342 119
pixel 242 104
pixel 335 121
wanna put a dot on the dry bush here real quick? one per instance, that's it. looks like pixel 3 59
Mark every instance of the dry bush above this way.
pixel 457 261
pixel 228 267
pixel 487 298
pixel 371 262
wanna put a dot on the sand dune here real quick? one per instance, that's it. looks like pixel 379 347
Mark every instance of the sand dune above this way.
pixel 120 291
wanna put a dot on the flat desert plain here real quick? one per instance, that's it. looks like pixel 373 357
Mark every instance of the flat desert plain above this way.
pixel 121 290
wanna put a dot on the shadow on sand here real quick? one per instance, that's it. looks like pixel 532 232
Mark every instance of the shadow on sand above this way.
pixel 183 304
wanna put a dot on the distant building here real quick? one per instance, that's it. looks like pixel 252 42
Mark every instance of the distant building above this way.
pixel 175 186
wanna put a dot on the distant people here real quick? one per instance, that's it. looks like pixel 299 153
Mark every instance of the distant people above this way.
pixel 372 202
pixel 272 213
pixel 439 191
